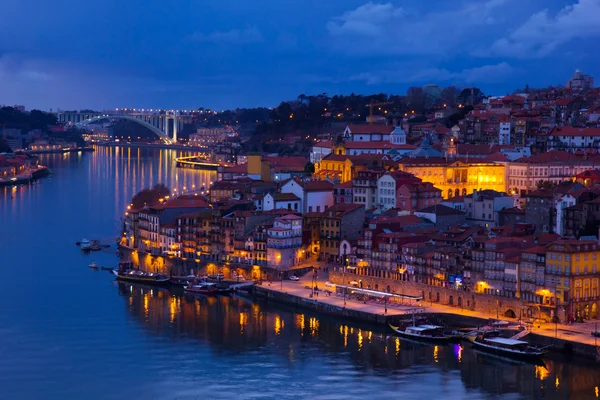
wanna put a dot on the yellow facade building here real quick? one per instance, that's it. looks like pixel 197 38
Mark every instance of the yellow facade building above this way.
pixel 456 178
pixel 343 168
pixel 572 278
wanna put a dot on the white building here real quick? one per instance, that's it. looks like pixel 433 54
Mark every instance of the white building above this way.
pixel 388 185
pixel 504 133
pixel 368 133
pixel 565 201
pixel 315 196
pixel 288 201
pixel 571 138
pixel 284 242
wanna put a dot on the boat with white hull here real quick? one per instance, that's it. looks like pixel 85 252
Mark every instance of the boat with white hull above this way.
pixel 509 347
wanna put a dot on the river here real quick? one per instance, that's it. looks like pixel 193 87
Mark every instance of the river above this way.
pixel 69 332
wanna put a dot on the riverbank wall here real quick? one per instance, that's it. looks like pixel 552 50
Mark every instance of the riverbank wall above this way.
pixel 498 307
pixel 323 308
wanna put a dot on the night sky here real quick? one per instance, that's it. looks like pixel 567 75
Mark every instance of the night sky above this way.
pixel 239 53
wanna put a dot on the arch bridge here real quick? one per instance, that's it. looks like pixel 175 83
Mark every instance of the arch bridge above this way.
pixel 164 125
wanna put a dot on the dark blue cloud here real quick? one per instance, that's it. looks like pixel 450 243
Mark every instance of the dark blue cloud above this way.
pixel 157 54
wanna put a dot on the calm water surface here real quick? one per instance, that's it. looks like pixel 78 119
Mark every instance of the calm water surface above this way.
pixel 68 332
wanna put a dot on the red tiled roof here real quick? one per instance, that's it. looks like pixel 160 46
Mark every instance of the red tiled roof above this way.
pixel 183 202
pixel 325 143
pixel 573 131
pixel 236 168
pixel 563 101
pixel 550 156
pixel 285 197
pixel 318 186
pixel 378 145
pixel 497 156
pixel 345 185
pixel 358 129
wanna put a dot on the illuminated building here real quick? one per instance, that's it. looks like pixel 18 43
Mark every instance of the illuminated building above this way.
pixel 456 177
pixel 572 278
pixel 284 242
pixel 344 168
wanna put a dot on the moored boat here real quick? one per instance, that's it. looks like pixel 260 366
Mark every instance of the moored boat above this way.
pixel 94 265
pixel 147 278
pixel 427 332
pixel 202 288
pixel 85 245
pixel 509 347
pixel 486 332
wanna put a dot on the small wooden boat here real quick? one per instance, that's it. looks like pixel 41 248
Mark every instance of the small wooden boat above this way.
pixel 205 288
pixel 94 265
pixel 509 347
pixel 147 278
pixel 432 333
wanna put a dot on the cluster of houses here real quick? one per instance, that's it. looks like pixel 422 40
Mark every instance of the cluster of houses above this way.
pixel 505 203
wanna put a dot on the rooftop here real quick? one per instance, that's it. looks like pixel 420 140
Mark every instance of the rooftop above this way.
pixel 441 209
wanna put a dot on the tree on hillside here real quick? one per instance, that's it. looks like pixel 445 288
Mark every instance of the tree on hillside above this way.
pixel 471 96
pixel 150 197
pixel 4 147
pixel 449 96
pixel 416 98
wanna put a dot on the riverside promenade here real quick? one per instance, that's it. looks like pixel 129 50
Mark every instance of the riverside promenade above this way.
pixel 574 338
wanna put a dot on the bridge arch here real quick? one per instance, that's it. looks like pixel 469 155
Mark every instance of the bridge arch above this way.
pixel 154 129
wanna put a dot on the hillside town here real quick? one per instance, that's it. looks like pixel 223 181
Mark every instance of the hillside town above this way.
pixel 506 204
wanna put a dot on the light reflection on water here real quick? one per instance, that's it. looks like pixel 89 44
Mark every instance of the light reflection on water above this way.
pixel 67 332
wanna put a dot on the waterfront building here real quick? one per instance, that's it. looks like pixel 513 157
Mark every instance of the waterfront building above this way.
pixel 339 222
pixel 532 275
pixel 149 220
pixel 259 244
pixel 284 242
pixel 572 278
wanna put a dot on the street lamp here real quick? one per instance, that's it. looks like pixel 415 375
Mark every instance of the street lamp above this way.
pixel 281 276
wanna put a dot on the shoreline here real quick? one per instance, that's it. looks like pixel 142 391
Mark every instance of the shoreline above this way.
pixel 563 338
pixel 77 150
pixel 20 180
pixel 152 146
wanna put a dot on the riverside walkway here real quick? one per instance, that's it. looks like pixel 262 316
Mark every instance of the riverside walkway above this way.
pixel 579 332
